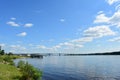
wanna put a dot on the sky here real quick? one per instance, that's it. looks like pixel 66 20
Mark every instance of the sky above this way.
pixel 60 26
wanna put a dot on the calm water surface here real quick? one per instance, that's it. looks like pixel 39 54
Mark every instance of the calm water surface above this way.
pixel 78 67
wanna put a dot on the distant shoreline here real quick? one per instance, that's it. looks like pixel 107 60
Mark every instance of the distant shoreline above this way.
pixel 106 53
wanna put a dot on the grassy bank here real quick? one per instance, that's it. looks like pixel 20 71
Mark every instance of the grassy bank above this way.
pixel 25 71
pixel 9 72
pixel 10 56
pixel 7 69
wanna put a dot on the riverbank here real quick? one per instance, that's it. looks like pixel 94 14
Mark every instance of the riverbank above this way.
pixel 8 70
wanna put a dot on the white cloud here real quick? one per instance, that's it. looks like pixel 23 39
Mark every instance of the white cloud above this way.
pixel 68 45
pixel 117 8
pixel 117 39
pixel 57 47
pixel 11 23
pixel 14 46
pixel 98 31
pixel 82 40
pixel 13 18
pixel 62 20
pixel 89 35
pixel 110 2
pixel 100 12
pixel 114 20
pixel 101 18
pixel 78 46
pixel 22 34
pixel 28 25
pixel 2 44
pixel 41 47
pixel 17 48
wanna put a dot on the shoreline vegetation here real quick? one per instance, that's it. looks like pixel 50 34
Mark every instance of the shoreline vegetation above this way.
pixel 23 70
pixel 90 54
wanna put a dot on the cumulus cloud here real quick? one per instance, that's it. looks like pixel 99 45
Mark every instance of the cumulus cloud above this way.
pixel 117 39
pixel 28 25
pixel 98 31
pixel 110 2
pixel 89 35
pixel 68 45
pixel 22 34
pixel 114 20
pixel 12 23
pixel 101 18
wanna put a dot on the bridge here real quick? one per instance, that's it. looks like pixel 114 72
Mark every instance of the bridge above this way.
pixel 36 56
pixel 30 55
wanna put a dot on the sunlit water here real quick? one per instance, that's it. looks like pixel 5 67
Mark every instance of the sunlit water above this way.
pixel 78 67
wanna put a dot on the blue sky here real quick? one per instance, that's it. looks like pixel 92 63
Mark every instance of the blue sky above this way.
pixel 60 26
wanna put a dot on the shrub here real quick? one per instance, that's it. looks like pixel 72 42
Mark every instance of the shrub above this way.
pixel 21 64
pixel 8 60
pixel 28 71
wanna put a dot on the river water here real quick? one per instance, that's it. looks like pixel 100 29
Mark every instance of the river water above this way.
pixel 77 67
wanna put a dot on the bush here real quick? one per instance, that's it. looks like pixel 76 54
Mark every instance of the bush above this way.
pixel 28 71
pixel 9 60
pixel 21 64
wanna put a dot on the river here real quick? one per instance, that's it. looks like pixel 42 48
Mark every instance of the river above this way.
pixel 77 67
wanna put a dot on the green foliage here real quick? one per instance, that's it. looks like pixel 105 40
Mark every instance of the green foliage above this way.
pixel 7 59
pixel 28 71
pixel 2 52
pixel 21 64
pixel 10 53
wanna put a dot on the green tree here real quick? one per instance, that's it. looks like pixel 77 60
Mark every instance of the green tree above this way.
pixel 10 53
pixel 2 52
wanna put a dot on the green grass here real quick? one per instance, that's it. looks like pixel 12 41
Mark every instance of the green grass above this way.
pixel 11 56
pixel 9 72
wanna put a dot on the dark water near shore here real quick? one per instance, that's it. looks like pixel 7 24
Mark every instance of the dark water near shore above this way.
pixel 78 67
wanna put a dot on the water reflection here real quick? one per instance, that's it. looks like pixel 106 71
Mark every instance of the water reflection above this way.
pixel 78 67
